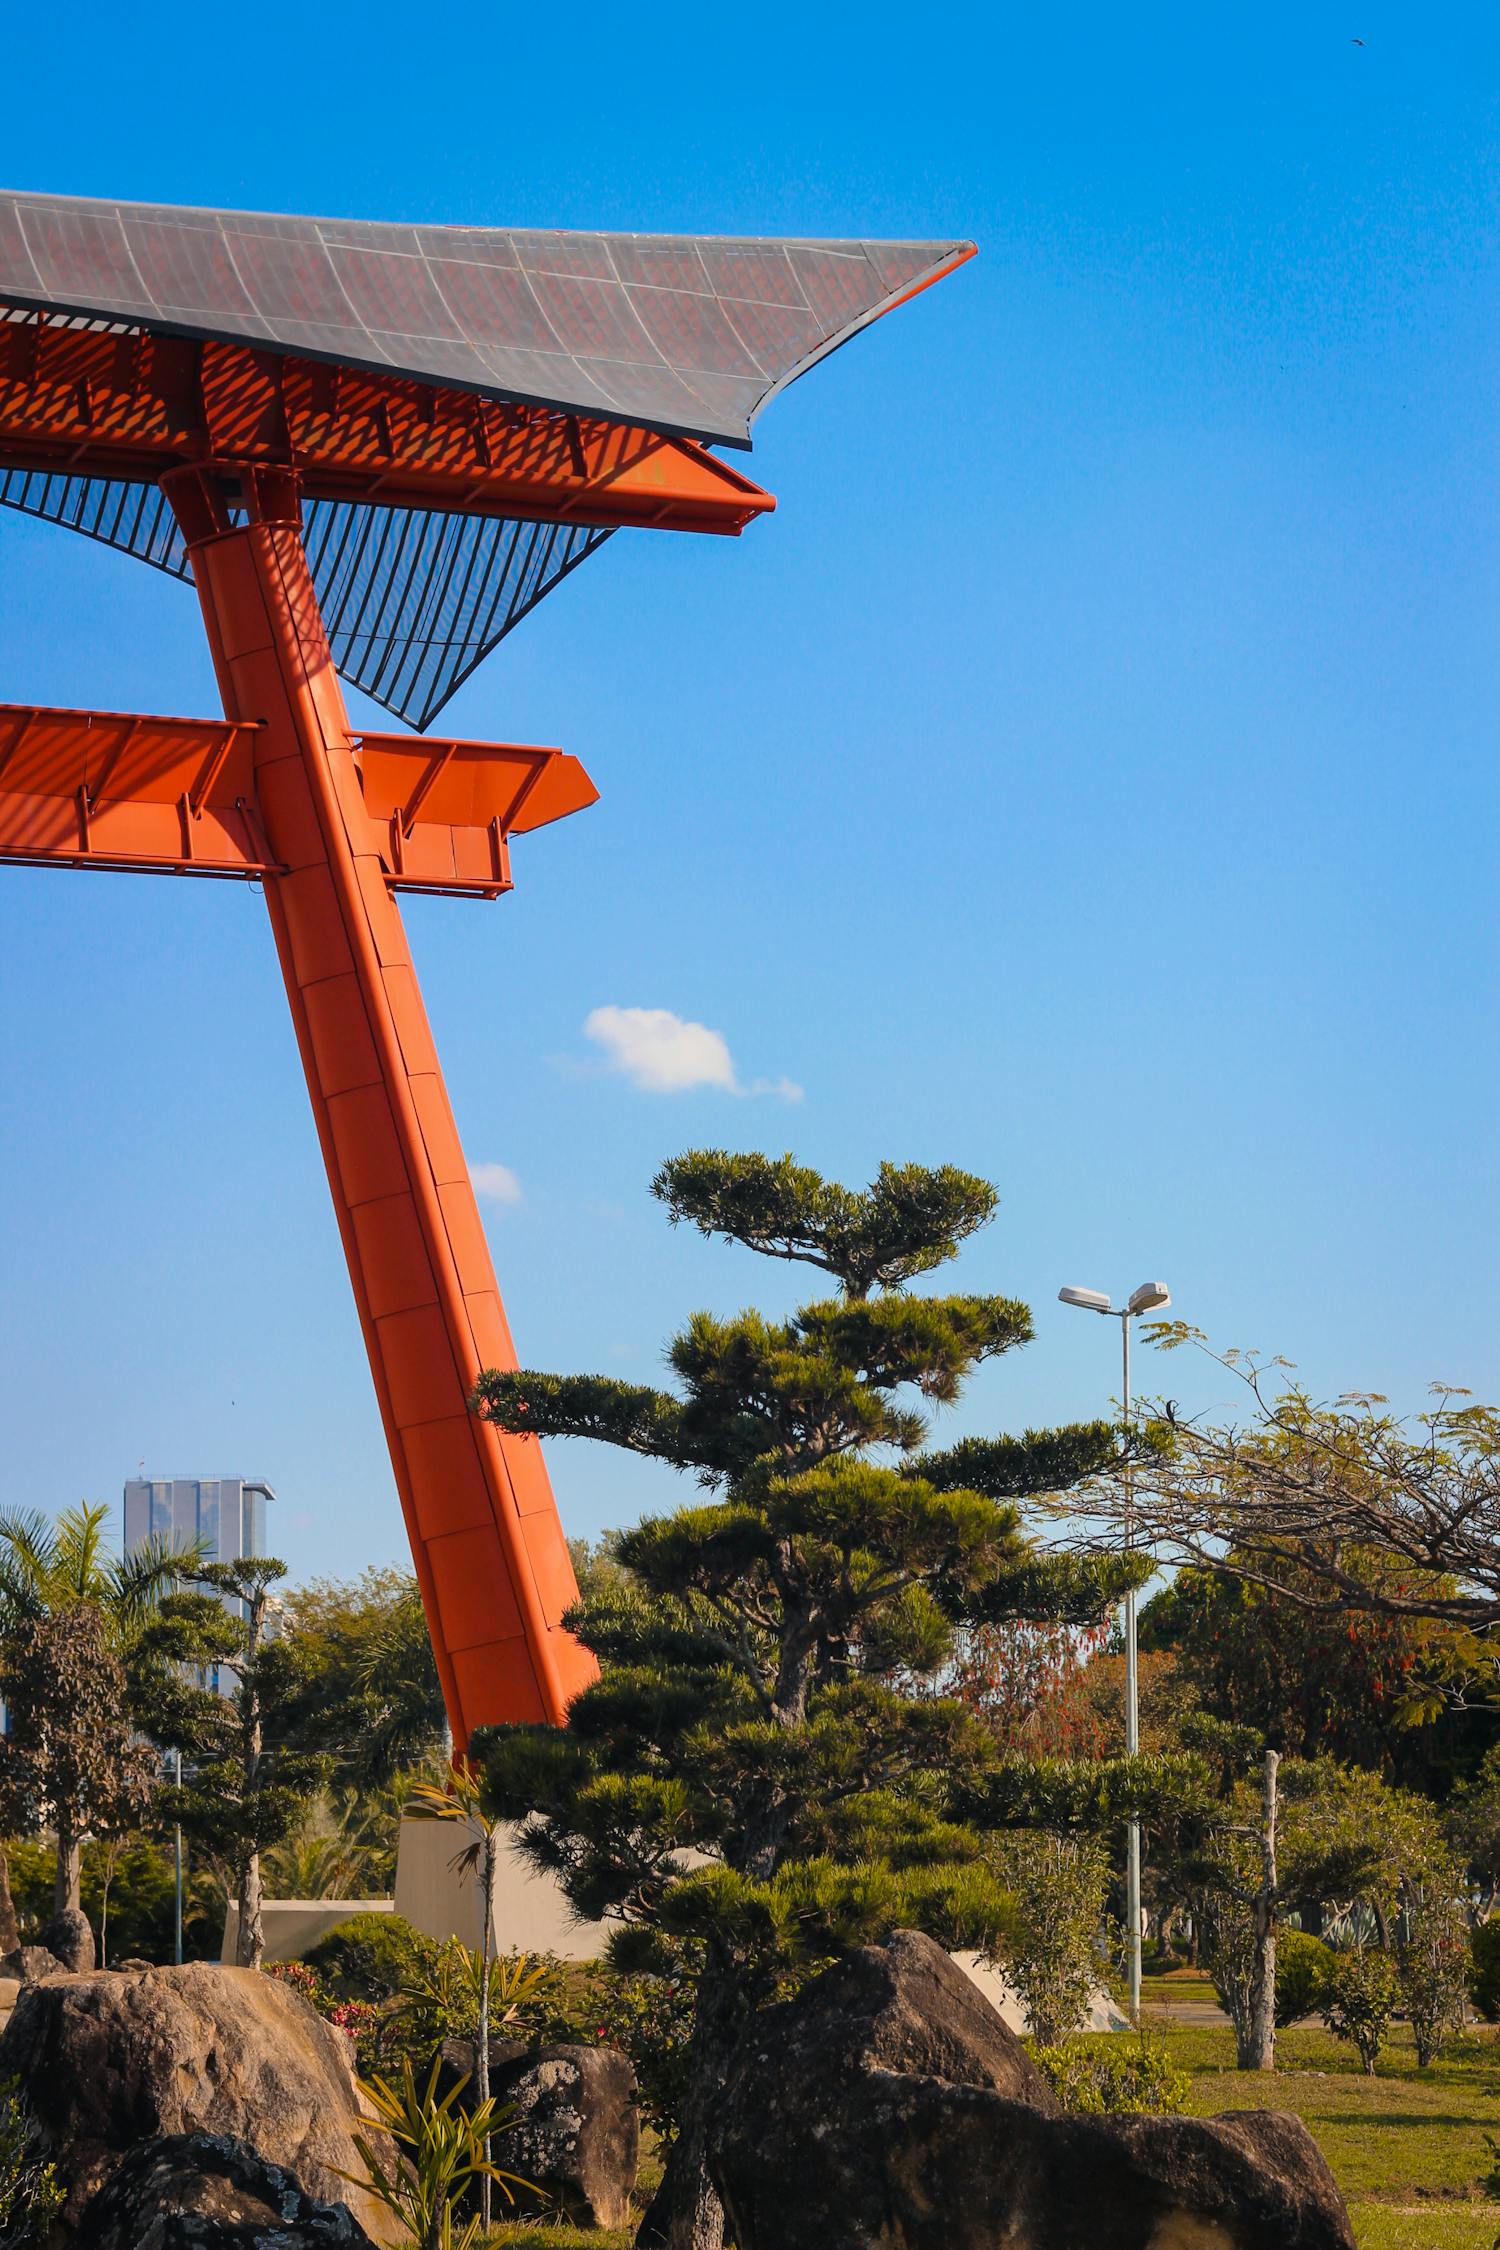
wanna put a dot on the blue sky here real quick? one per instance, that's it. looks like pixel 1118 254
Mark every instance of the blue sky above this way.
pixel 1088 774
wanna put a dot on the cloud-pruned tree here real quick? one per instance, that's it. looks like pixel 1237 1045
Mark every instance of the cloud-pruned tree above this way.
pixel 763 1773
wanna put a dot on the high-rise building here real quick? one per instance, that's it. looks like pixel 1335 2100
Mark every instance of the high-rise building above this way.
pixel 225 1517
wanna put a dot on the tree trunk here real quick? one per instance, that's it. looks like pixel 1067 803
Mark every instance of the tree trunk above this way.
pixel 252 1943
pixel 10 1929
pixel 487 1874
pixel 252 1936
pixel 1258 2048
pixel 67 1885
pixel 111 1851
pixel 685 2212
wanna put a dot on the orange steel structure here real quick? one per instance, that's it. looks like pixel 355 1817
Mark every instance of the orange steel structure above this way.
pixel 332 823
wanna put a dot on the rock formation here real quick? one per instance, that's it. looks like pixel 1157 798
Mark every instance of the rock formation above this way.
pixel 888 2105
pixel 577 2130
pixel 203 2191
pixel 109 2062
pixel 70 1937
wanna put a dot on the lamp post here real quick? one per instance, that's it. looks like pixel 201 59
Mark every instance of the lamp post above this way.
pixel 1150 1297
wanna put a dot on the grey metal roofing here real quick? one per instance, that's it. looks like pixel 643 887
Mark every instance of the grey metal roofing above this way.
pixel 686 333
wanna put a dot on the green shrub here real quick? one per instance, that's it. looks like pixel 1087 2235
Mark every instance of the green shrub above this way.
pixel 371 1956
pixel 1359 1997
pixel 1432 1961
pixel 1302 1965
pixel 1113 2079
pixel 439 1999
pixel 1484 1974
pixel 33 1865
pixel 29 2187
pixel 1052 1951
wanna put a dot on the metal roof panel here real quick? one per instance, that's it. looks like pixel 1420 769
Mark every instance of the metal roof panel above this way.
pixel 685 333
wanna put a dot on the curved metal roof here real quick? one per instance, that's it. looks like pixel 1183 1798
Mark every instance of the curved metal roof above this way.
pixel 691 334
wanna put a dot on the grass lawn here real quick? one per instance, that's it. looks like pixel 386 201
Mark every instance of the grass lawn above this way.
pixel 523 2237
pixel 1406 2146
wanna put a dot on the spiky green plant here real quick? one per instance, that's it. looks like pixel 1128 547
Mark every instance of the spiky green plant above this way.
pixel 440 2154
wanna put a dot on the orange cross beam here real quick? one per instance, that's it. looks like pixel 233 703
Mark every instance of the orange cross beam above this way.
pixel 136 406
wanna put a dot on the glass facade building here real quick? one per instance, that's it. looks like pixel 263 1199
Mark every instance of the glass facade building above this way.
pixel 225 1516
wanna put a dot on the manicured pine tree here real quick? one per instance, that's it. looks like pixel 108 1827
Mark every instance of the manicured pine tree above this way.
pixel 247 1784
pixel 765 1771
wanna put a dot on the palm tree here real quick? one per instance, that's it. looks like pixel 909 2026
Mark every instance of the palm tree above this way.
pixel 49 1569
pixel 312 1864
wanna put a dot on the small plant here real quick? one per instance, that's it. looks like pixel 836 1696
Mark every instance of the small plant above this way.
pixel 1302 1965
pixel 440 2154
pixel 30 2191
pixel 1114 2080
pixel 439 1998
pixel 1051 1952
pixel 1432 1966
pixel 1359 1996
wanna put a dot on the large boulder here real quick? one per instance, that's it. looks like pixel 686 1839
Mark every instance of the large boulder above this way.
pixel 70 1936
pixel 577 2128
pixel 203 2191
pixel 889 2106
pixel 108 2062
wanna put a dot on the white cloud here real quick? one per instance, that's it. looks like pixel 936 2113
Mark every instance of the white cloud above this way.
pixel 663 1053
pixel 497 1183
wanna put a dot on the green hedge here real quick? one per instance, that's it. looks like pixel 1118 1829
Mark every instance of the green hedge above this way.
pixel 371 1956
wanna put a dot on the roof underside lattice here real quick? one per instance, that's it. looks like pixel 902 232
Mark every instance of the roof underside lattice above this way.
pixel 691 335
pixel 413 599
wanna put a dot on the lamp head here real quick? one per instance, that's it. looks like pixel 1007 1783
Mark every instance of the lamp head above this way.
pixel 1149 1297
pixel 1091 1300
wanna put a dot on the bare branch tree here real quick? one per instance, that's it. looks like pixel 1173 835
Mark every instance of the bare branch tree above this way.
pixel 1337 1506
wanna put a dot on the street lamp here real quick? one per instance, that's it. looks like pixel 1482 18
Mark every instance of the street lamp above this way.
pixel 1150 1297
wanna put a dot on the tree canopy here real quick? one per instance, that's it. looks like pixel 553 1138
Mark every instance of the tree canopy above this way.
pixel 753 1774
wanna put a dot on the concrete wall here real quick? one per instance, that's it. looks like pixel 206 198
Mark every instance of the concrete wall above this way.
pixel 293 1926
pixel 531 1914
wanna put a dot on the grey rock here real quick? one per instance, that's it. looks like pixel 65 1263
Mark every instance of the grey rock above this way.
pixel 70 1936
pixel 577 2129
pixel 889 2105
pixel 108 2062
pixel 205 2191
pixel 29 1964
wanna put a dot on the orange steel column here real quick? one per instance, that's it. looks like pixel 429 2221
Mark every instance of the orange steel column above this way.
pixel 489 1550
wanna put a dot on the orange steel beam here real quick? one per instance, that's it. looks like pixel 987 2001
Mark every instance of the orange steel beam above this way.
pixel 177 796
pixel 133 405
pixel 490 1555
